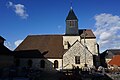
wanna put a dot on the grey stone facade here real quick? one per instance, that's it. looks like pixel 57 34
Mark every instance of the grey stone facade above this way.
pixel 77 50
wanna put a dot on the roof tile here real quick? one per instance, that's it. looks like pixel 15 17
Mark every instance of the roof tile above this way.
pixel 115 60
pixel 52 44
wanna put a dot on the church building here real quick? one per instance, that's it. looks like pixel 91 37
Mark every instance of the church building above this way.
pixel 75 48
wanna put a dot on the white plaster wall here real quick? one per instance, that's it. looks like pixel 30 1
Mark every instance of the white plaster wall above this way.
pixel 77 50
pixel 59 63
pixel 49 63
pixel 70 39
pixel 91 45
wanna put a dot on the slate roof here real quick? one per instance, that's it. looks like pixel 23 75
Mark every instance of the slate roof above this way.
pixel 114 51
pixel 110 53
pixel 115 60
pixel 88 32
pixel 51 45
pixel 71 15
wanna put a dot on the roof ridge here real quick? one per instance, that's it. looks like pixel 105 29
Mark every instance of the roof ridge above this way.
pixel 47 35
pixel 80 43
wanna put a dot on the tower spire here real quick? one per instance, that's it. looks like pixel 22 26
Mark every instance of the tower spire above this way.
pixel 71 23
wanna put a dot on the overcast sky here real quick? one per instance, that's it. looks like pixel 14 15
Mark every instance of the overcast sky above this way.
pixel 19 18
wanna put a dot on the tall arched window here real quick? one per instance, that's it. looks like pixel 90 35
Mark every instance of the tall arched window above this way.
pixel 42 64
pixel 30 63
pixel 55 64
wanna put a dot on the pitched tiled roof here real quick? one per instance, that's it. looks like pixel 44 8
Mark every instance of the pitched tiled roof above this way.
pixel 52 44
pixel 110 53
pixel 114 51
pixel 88 33
pixel 71 15
pixel 115 60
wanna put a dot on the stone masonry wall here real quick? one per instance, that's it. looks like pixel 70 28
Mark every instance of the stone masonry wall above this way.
pixel 91 45
pixel 77 50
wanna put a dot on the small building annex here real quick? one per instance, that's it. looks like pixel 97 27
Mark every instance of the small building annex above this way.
pixel 77 47
pixel 6 57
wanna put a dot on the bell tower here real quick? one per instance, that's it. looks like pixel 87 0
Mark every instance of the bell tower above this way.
pixel 71 23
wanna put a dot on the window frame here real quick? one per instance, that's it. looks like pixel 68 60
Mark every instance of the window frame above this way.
pixel 55 64
pixel 77 59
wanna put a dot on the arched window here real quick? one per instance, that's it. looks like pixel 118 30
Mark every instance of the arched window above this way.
pixel 30 63
pixel 42 64
pixel 55 64
pixel 71 23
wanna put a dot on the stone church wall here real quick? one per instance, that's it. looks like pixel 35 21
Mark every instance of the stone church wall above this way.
pixel 91 45
pixel 70 39
pixel 77 50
